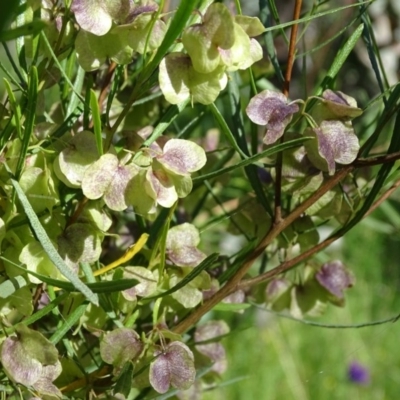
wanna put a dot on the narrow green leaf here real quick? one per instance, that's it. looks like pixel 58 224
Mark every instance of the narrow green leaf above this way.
pixel 251 160
pixel 32 28
pixel 65 126
pixel 226 130
pixel 124 382
pixel 373 51
pixel 94 105
pixel 117 79
pixel 30 118
pixel 8 287
pixel 78 84
pixel 11 77
pixel 55 59
pixel 15 108
pixel 340 58
pixel 8 8
pixel 233 307
pixel 69 322
pixel 266 20
pixel 41 313
pixel 189 277
pixel 21 76
pixel 49 247
pixel 182 15
pixel 383 173
pixel 318 15
pixel 166 120
pixel 97 287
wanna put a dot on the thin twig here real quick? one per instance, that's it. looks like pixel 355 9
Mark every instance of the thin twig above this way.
pixel 235 282
pixel 292 48
pixel 285 91
pixel 276 229
pixel 287 265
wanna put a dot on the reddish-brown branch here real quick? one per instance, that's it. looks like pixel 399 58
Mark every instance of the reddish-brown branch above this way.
pixel 285 91
pixel 235 282
pixel 292 48
pixel 370 161
pixel 287 265
pixel 276 229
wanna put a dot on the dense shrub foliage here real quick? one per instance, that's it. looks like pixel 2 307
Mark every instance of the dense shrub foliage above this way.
pixel 136 138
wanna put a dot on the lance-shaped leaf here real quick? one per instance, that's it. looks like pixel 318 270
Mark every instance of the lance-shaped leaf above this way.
pixel 271 109
pixel 179 81
pixel 182 157
pixel 96 16
pixel 181 245
pixel 336 105
pixel 160 187
pixel 109 179
pixel 335 278
pixel 93 51
pixel 120 346
pixel 203 41
pixel 335 142
pixel 73 161
pixel 173 367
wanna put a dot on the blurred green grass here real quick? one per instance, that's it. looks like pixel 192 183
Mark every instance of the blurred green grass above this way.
pixel 277 358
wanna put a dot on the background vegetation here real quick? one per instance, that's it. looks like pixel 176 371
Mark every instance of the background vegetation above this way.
pixel 347 46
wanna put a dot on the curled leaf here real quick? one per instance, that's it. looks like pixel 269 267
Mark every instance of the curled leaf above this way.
pixel 271 109
pixel 335 278
pixel 335 142
pixel 181 245
pixel 179 81
pixel 244 52
pixel 336 105
pixel 72 162
pixel 107 177
pixel 203 41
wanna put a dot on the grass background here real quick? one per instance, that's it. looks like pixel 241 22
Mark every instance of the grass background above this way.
pixel 276 358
